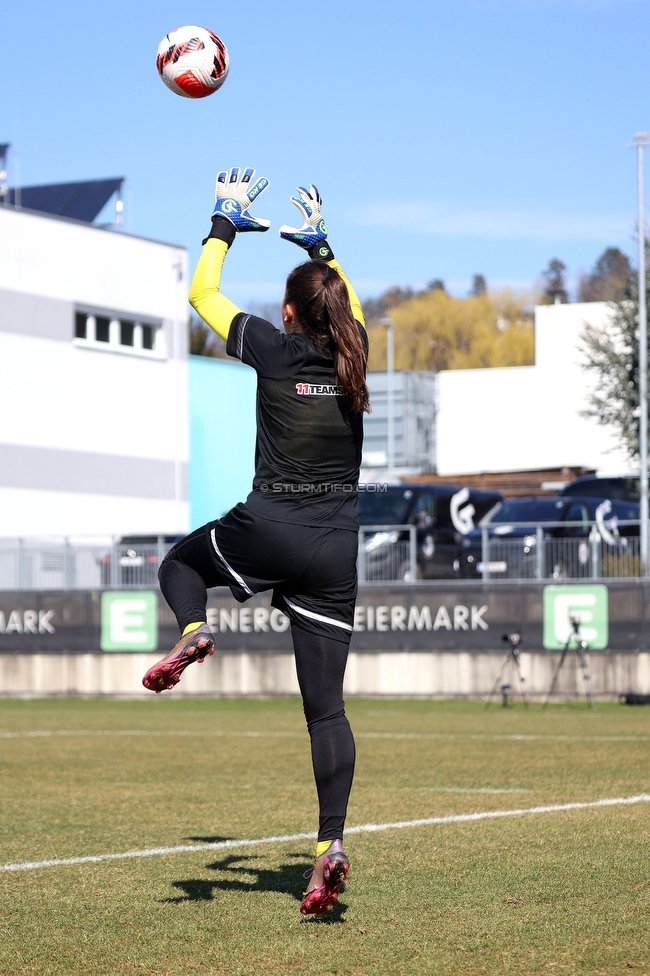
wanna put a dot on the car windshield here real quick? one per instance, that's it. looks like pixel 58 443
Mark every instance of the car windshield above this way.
pixel 528 510
pixel 388 507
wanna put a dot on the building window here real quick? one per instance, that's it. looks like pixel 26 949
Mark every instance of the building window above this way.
pixel 116 333
pixel 102 329
pixel 80 325
pixel 126 333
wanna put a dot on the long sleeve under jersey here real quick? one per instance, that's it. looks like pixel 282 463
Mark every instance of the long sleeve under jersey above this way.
pixel 215 309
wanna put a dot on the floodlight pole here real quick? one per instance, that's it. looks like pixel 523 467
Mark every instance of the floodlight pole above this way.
pixel 642 139
pixel 390 396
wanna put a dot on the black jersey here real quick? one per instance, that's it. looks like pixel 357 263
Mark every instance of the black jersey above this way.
pixel 308 448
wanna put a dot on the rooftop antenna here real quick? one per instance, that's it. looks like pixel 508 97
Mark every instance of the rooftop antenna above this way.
pixel 119 206
pixel 118 218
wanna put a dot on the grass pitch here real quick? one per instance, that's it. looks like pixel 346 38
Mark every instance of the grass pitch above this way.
pixel 547 893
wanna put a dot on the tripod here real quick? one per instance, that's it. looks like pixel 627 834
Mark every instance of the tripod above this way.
pixel 581 646
pixel 512 655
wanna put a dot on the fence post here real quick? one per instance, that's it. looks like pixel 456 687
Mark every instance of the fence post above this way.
pixel 594 538
pixel 115 568
pixel 24 574
pixel 413 545
pixel 540 567
pixel 68 565
pixel 485 553
pixel 361 563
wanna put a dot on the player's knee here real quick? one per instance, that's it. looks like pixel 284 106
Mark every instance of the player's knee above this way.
pixel 167 561
pixel 318 718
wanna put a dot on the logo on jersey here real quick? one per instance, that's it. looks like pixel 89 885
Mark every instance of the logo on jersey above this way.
pixel 314 389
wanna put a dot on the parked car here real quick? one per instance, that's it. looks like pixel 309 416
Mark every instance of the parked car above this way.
pixel 134 560
pixel 616 489
pixel 441 514
pixel 512 533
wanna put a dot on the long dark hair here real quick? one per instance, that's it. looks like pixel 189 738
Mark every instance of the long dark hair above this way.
pixel 322 309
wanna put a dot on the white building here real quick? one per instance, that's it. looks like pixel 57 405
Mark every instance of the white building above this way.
pixel 528 417
pixel 93 379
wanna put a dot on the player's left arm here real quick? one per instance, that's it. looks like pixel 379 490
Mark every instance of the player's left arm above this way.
pixel 312 237
pixel 234 196
pixel 215 309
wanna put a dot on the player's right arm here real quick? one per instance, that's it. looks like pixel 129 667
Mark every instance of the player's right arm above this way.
pixel 312 237
pixel 234 195
pixel 355 304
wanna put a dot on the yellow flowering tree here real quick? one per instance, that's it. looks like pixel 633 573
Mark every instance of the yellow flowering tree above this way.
pixel 434 331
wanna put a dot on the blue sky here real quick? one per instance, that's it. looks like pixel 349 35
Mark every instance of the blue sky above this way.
pixel 447 138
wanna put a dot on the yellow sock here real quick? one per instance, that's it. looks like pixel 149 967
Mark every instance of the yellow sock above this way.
pixel 191 627
pixel 322 846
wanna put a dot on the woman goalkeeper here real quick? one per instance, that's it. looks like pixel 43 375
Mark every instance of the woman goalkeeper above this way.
pixel 297 531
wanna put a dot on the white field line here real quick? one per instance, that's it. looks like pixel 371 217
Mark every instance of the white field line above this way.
pixel 35 734
pixel 361 829
pixel 145 732
pixel 463 789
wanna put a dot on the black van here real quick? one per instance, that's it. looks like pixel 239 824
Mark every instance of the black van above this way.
pixel 617 489
pixel 441 514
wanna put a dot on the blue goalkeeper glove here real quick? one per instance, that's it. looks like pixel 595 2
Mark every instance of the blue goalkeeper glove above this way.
pixel 234 195
pixel 312 236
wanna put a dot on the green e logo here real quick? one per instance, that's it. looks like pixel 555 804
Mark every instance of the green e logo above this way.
pixel 129 621
pixel 586 602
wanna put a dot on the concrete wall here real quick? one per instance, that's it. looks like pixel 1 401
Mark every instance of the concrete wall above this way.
pixel 93 435
pixel 451 674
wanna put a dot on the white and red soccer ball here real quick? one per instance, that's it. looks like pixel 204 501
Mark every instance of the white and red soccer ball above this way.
pixel 192 61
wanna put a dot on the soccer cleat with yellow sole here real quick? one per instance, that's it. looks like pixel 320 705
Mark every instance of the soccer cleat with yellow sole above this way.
pixel 329 872
pixel 195 646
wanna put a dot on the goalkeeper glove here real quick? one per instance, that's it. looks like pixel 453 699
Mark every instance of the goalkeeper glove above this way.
pixel 312 236
pixel 233 197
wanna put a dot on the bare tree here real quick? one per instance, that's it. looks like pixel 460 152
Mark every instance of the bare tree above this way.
pixel 271 311
pixel 376 308
pixel 612 353
pixel 205 342
pixel 611 279
pixel 479 285
pixel 555 292
pixel 437 284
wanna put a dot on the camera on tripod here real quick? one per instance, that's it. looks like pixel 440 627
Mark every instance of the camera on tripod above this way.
pixel 581 647
pixel 512 657
pixel 574 620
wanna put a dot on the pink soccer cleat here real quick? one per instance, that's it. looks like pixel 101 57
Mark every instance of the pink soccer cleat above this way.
pixel 195 646
pixel 327 876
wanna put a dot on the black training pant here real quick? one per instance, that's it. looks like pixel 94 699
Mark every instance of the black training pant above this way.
pixel 186 573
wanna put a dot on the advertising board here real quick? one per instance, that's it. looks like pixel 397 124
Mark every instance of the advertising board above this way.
pixel 445 616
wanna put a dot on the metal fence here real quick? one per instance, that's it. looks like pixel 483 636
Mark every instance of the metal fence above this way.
pixel 387 554
pixel 36 564
pixel 591 552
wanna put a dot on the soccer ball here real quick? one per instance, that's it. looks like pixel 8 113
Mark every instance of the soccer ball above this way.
pixel 192 61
